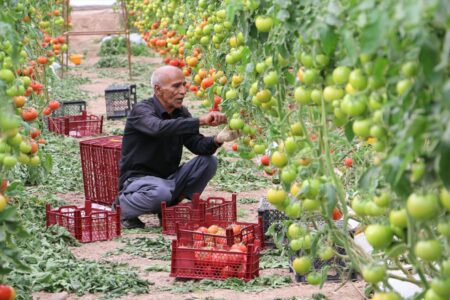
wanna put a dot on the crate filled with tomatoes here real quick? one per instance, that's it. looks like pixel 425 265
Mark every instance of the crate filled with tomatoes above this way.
pixel 214 260
pixel 221 233
pixel 195 211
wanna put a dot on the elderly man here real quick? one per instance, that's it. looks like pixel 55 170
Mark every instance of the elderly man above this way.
pixel 155 133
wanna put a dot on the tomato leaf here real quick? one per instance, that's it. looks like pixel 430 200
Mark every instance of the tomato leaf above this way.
pixel 443 160
pixel 429 58
pixel 369 177
pixel 329 192
pixel 348 130
pixel 371 35
pixel 329 39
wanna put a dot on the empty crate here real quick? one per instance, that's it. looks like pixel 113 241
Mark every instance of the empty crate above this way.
pixel 269 215
pixel 119 100
pixel 76 125
pixel 100 165
pixel 194 212
pixel 70 108
pixel 86 224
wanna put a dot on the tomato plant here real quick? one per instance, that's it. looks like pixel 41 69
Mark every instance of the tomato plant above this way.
pixel 323 82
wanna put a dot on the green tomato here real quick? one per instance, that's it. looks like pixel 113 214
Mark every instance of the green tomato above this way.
pixel 422 207
pixel 441 287
pixel 409 69
pixel 322 60
pixel 316 96
pixel 311 76
pixel 271 79
pixel 290 146
pixel 372 209
pixel 341 75
pixel 359 206
pixel 331 93
pixel 295 245
pixel 9 161
pixel 293 210
pixel 430 250
pixel 444 228
pixel 379 236
pixel 377 131
pixel 417 171
pixel 403 86
pixel 353 106
pixel 314 278
pixel 306 60
pixel 382 200
pixel 263 23
pixel 361 128
pixel 310 204
pixel 374 273
pixel 236 124
pixel 357 80
pixel 398 218
pixel 432 295
pixel 302 265
pixel 279 159
pixel 326 253
pixel 288 175
pixel 7 75
pixel 302 95
pixel 444 196
pixel 259 148
pixel 297 129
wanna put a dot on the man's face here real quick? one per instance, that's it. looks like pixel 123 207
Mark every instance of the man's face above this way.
pixel 171 90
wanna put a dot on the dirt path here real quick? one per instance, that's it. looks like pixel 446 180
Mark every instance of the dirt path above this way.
pixel 105 19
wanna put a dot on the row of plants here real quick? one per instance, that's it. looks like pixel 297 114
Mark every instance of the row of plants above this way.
pixel 300 77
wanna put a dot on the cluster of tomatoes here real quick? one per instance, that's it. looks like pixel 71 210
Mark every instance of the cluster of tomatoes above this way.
pixel 27 51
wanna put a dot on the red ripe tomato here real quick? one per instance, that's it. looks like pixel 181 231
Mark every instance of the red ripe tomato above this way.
pixel 29 114
pixel 198 244
pixel 313 137
pixel 7 292
pixel 217 100
pixel 337 214
pixel 240 247
pixel 207 82
pixel 174 62
pixel 348 162
pixel 54 105
pixel 34 132
pixel 47 111
pixel 42 60
pixel 234 147
pixel 41 141
pixel 61 39
pixel 167 60
pixel 4 185
pixel 194 88
pixel 265 160
pixel 34 147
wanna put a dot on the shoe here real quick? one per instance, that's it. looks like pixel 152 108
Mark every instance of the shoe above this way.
pixel 160 219
pixel 132 223
pixel 115 204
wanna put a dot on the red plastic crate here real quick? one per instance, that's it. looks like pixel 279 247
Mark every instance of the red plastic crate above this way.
pixel 86 224
pixel 76 125
pixel 212 263
pixel 250 233
pixel 100 165
pixel 194 212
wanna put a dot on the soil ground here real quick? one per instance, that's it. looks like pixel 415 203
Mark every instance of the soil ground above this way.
pixel 105 19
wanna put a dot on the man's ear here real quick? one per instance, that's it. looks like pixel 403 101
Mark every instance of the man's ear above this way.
pixel 156 88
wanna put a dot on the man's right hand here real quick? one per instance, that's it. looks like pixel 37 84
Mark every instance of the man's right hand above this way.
pixel 213 118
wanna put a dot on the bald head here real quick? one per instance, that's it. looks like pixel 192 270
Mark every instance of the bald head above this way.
pixel 169 86
pixel 162 75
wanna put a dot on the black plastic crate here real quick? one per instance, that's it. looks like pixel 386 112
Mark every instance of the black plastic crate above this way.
pixel 338 270
pixel 70 108
pixel 119 100
pixel 270 215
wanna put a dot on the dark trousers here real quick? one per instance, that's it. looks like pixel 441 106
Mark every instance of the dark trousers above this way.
pixel 144 195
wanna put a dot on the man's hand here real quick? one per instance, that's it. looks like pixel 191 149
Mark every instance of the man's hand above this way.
pixel 213 118
pixel 227 135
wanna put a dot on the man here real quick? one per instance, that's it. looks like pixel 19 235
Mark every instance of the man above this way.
pixel 155 133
